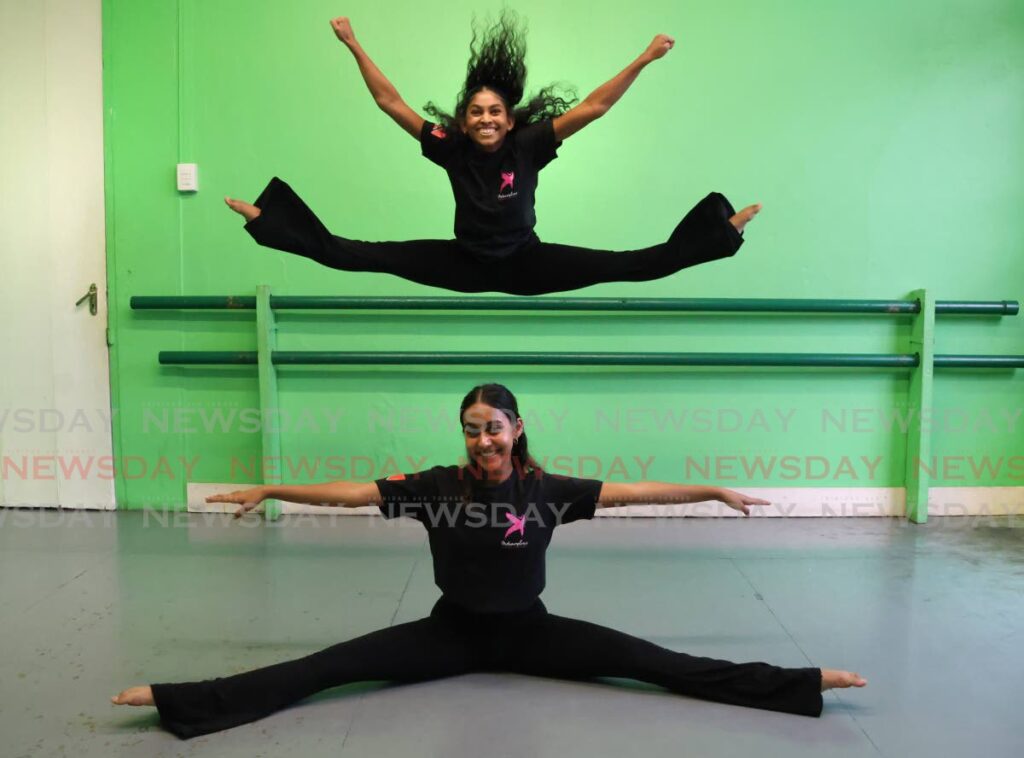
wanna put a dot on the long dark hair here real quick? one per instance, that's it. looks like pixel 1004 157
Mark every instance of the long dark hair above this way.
pixel 500 397
pixel 498 62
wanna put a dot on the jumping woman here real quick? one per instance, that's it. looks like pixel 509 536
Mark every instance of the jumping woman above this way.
pixel 493 149
pixel 489 524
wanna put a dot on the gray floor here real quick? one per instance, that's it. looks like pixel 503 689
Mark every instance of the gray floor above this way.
pixel 931 615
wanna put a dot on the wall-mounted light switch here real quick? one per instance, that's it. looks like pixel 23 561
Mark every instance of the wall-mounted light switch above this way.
pixel 188 177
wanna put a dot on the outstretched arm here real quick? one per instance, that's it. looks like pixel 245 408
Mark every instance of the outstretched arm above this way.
pixel 613 494
pixel 383 91
pixel 597 103
pixel 340 494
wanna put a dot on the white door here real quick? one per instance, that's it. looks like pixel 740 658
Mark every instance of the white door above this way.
pixel 55 429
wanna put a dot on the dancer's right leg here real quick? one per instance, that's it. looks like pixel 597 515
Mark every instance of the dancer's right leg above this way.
pixel 420 650
pixel 286 223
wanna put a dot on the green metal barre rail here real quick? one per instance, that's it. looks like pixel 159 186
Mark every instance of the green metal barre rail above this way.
pixel 639 305
pixel 922 308
pixel 330 358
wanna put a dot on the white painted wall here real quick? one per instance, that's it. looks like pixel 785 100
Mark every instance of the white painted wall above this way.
pixel 55 438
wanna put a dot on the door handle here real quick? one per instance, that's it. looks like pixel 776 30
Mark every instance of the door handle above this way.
pixel 91 296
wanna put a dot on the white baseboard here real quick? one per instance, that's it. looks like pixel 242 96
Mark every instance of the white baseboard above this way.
pixel 812 502
pixel 62 506
pixel 976 501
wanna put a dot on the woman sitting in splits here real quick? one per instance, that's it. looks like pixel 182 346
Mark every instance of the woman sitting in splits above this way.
pixel 493 149
pixel 489 525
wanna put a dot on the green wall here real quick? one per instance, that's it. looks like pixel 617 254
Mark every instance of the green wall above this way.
pixel 883 140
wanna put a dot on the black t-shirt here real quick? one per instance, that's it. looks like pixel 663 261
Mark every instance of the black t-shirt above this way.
pixel 493 191
pixel 488 551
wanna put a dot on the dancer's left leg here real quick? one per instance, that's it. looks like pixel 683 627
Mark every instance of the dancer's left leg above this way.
pixel 707 233
pixel 571 649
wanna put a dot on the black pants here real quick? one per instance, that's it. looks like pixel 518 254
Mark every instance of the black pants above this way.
pixel 286 223
pixel 452 641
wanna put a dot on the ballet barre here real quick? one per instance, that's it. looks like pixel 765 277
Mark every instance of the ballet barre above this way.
pixel 364 358
pixel 922 362
pixel 609 304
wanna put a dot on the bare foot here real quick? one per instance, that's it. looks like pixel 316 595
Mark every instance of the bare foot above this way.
pixel 836 679
pixel 744 217
pixel 248 210
pixel 134 696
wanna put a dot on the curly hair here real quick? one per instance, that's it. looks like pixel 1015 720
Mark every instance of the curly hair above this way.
pixel 499 64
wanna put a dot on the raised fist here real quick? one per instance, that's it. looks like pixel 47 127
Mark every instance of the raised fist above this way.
pixel 343 29
pixel 659 46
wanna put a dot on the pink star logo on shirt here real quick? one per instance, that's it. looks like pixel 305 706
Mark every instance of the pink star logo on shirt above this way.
pixel 518 525
pixel 438 131
pixel 507 180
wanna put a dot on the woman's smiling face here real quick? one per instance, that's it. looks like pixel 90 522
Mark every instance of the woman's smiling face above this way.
pixel 487 121
pixel 489 437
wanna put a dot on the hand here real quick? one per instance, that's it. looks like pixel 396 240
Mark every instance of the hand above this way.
pixel 343 30
pixel 658 47
pixel 739 502
pixel 248 499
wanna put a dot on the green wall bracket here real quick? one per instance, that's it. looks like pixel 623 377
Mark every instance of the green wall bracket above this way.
pixel 919 401
pixel 266 342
